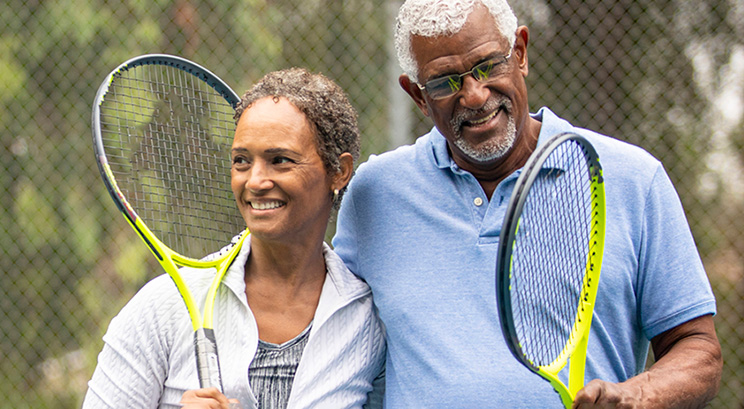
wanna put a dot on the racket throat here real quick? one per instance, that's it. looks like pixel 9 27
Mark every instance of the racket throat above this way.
pixel 577 365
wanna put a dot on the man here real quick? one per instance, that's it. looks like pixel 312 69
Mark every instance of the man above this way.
pixel 421 225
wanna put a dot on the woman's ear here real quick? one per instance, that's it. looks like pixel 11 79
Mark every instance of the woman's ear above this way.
pixel 342 177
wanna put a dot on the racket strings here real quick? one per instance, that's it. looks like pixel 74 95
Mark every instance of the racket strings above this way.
pixel 167 137
pixel 550 255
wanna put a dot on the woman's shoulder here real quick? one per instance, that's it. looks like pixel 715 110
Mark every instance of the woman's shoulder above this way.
pixel 345 281
pixel 158 302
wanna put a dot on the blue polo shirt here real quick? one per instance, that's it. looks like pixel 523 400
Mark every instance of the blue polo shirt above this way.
pixel 423 234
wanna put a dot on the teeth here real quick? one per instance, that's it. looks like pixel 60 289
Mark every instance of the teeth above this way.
pixel 266 205
pixel 483 120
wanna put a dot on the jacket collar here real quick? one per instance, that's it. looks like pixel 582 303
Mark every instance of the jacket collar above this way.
pixel 340 288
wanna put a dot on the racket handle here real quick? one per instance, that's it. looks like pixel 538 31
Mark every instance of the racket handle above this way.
pixel 207 362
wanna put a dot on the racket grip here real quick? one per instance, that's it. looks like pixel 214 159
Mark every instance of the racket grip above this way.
pixel 207 362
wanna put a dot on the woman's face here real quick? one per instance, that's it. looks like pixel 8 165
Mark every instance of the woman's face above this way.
pixel 279 181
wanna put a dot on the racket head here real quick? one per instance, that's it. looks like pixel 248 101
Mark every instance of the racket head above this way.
pixel 550 254
pixel 162 129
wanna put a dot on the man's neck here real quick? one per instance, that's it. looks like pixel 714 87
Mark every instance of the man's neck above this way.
pixel 489 175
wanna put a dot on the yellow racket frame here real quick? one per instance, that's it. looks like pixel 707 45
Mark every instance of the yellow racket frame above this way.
pixel 575 351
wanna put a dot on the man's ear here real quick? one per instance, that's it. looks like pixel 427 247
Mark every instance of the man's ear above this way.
pixel 520 49
pixel 342 177
pixel 413 90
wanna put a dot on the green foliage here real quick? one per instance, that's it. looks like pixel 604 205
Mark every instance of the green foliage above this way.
pixel 650 72
pixel 12 74
pixel 36 218
pixel 132 263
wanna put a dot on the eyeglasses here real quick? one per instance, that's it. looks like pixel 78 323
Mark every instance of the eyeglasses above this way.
pixel 443 87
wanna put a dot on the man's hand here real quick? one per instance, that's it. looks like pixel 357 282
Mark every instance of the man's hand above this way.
pixel 686 374
pixel 601 394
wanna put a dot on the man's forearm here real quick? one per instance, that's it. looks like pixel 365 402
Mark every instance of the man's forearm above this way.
pixel 686 374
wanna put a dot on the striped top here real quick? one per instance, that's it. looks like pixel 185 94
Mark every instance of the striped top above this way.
pixel 273 370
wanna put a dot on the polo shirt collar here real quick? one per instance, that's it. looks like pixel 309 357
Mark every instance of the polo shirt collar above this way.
pixel 440 150
pixel 551 125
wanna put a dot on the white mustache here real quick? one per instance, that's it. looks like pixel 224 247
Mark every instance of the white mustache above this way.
pixel 465 114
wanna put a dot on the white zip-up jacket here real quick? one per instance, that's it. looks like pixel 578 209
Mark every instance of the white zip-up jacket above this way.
pixel 148 358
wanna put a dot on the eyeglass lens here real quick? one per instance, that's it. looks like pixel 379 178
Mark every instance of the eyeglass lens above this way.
pixel 449 85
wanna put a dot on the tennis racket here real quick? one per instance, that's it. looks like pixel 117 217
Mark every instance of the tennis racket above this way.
pixel 162 130
pixel 549 260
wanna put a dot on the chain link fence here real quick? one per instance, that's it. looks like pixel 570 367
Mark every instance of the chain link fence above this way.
pixel 666 75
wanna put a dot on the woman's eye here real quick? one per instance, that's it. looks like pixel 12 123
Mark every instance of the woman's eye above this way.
pixel 279 160
pixel 239 160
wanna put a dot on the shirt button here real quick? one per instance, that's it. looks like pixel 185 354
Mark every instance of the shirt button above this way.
pixel 478 201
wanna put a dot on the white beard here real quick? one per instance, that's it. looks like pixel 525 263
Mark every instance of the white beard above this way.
pixel 494 148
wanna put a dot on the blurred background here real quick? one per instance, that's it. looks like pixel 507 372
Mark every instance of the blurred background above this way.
pixel 665 75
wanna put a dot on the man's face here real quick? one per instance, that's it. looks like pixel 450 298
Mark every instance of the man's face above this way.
pixel 482 120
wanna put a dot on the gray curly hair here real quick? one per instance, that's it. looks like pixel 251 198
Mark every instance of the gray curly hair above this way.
pixel 434 18
pixel 324 104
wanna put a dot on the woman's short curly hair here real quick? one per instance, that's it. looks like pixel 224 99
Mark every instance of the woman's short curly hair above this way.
pixel 324 104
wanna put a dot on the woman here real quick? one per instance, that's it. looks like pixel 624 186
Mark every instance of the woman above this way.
pixel 295 328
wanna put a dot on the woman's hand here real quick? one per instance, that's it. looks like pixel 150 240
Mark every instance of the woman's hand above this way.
pixel 208 398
